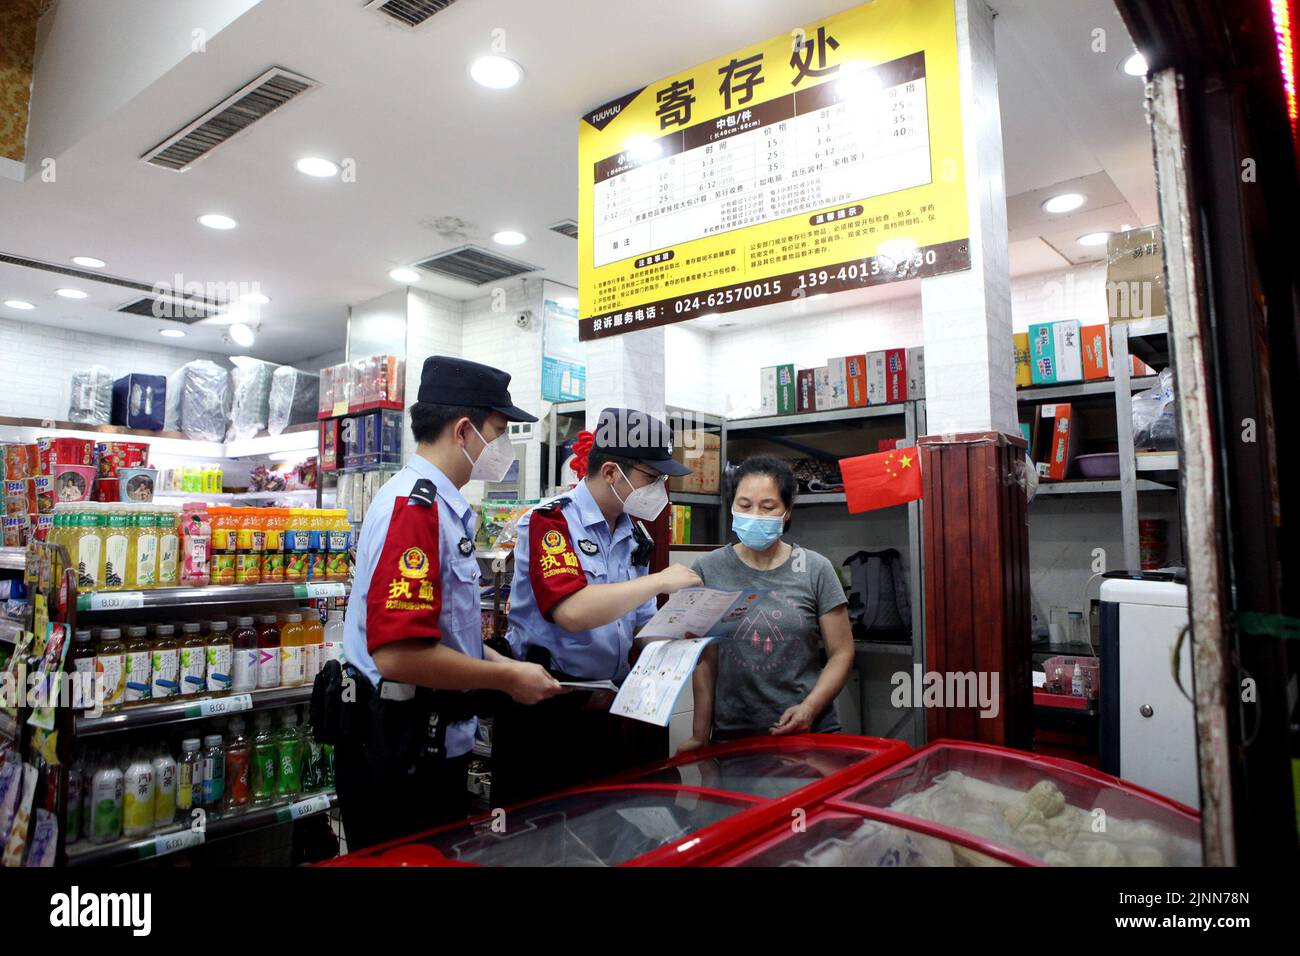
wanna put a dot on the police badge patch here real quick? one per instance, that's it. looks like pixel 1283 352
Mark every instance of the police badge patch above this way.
pixel 466 546
pixel 588 546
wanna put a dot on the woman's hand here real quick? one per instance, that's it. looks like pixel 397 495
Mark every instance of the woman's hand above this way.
pixel 796 720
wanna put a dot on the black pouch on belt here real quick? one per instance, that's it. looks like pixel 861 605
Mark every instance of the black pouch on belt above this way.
pixel 327 704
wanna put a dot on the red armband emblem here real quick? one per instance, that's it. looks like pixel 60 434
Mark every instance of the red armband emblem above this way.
pixel 554 569
pixel 405 599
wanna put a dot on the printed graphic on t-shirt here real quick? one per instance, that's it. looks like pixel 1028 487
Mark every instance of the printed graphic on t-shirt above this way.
pixel 760 641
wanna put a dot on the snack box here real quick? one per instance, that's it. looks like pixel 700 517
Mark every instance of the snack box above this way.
pixel 116 455
pixel 52 452
pixel 16 529
pixel 40 526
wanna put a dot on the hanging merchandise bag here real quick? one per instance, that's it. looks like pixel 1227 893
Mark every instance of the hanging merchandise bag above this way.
pixel 879 607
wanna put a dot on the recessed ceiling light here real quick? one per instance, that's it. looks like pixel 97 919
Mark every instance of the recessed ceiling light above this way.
pixel 496 72
pixel 254 298
pixel 241 335
pixel 1065 202
pixel 215 220
pixel 316 166
pixel 70 293
pixel 1093 239
pixel 404 275
pixel 1136 65
pixel 508 237
pixel 171 333
pixel 90 262
pixel 19 304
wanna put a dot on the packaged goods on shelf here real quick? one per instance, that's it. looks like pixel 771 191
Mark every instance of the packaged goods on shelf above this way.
pixel 64 451
pixel 335 390
pixel 251 386
pixel 91 400
pixel 822 387
pixel 293 398
pixel 1154 423
pixel 805 391
pixel 776 391
pixel 331 446
pixel 1024 375
pixel 372 438
pixel 1057 456
pixel 198 400
pixel 837 385
pixel 877 378
pixel 700 451
pixel 1097 355
pixel 1135 274
pixel 895 375
pixel 916 373
pixel 1055 352
pixel 378 380
pixel 848 381
pixel 681 524
pixel 140 401
pixel 497 523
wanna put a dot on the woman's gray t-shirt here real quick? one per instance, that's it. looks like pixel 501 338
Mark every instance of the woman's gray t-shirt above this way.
pixel 770 660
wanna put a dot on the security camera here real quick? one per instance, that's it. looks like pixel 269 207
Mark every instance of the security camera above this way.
pixel 524 318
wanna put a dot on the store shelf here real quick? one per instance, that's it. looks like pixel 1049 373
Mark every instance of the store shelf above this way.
pixel 13 559
pixel 1157 461
pixel 188 709
pixel 85 853
pixel 297 494
pixel 1071 390
pixel 569 408
pixel 1095 486
pixel 1148 339
pixel 703 419
pixel 294 438
pixel 821 498
pixel 816 418
pixel 304 438
pixel 688 498
pixel 90 601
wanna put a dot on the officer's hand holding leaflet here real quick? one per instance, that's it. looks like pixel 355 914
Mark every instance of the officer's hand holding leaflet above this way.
pixel 441 668
pixel 599 604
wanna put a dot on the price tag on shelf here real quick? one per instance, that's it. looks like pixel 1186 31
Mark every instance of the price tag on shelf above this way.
pixel 340 408
pixel 220 706
pixel 165 843
pixel 324 589
pixel 116 600
pixel 304 808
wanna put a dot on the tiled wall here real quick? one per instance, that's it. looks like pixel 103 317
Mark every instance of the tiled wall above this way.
pixel 37 362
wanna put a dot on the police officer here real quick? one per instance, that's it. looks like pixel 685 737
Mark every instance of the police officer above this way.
pixel 581 589
pixel 413 637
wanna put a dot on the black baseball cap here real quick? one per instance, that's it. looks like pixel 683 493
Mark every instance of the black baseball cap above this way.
pixel 455 381
pixel 628 433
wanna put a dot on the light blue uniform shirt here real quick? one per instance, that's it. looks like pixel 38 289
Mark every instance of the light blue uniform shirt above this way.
pixel 601 653
pixel 459 618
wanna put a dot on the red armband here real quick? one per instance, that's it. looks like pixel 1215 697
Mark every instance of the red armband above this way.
pixel 405 595
pixel 553 567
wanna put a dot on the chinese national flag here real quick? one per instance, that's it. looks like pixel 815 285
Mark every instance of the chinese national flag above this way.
pixel 878 481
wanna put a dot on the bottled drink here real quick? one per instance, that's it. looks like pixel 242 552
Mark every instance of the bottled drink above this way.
pixel 196 545
pixel 213 794
pixel 76 801
pixel 268 652
pixel 224 541
pixel 340 533
pixel 165 662
pixel 292 636
pixel 116 545
pixel 249 540
pixel 146 547
pixel 110 666
pixel 313 644
pixel 106 802
pixel 244 643
pixel 289 752
pixel 168 526
pixel 83 663
pixel 164 803
pixel 262 775
pixel 237 768
pixel 334 636
pixel 189 777
pixel 194 659
pixel 297 546
pixel 273 547
pixel 318 545
pixel 220 659
pixel 138 802
pixel 89 553
pixel 312 777
pixel 138 675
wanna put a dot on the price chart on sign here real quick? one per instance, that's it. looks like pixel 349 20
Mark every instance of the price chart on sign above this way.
pixel 827 160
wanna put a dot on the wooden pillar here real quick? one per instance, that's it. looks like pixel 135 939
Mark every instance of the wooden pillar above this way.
pixel 976 538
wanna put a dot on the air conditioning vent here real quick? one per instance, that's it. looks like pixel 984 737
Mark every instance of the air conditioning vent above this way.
pixel 75 273
pixel 187 310
pixel 565 227
pixel 410 12
pixel 474 265
pixel 228 119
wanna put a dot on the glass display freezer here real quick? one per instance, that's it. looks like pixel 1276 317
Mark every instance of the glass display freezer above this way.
pixel 690 807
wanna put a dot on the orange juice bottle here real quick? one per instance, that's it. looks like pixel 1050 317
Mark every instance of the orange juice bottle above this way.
pixel 273 546
pixel 320 545
pixel 297 545
pixel 249 540
pixel 340 532
pixel 224 541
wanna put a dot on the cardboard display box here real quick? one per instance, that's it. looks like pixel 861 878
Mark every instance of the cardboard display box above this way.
pixel 1055 352
pixel 916 373
pixel 776 390
pixel 700 451
pixel 806 395
pixel 1024 377
pixel 877 380
pixel 895 375
pixel 822 387
pixel 1135 275
pixel 1059 445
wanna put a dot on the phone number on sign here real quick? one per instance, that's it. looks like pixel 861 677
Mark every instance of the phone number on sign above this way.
pixel 740 293
pixel 867 269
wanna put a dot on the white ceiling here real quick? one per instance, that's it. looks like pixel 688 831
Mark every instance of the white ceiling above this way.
pixel 428 143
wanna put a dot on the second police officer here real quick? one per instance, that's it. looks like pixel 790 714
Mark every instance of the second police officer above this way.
pixel 581 590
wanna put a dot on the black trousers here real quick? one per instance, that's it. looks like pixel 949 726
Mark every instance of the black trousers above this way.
pixel 564 742
pixel 378 804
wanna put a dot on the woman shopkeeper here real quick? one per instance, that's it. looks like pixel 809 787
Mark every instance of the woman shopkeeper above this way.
pixel 768 677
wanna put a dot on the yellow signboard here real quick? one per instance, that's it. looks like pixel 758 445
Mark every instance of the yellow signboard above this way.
pixel 824 160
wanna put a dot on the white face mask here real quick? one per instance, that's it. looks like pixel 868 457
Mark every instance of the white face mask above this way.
pixel 494 460
pixel 647 502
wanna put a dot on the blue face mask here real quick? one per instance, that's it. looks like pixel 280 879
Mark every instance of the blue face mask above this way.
pixel 758 532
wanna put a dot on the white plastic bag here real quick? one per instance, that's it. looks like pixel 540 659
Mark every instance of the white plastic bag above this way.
pixel 91 401
pixel 251 385
pixel 293 399
pixel 197 400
